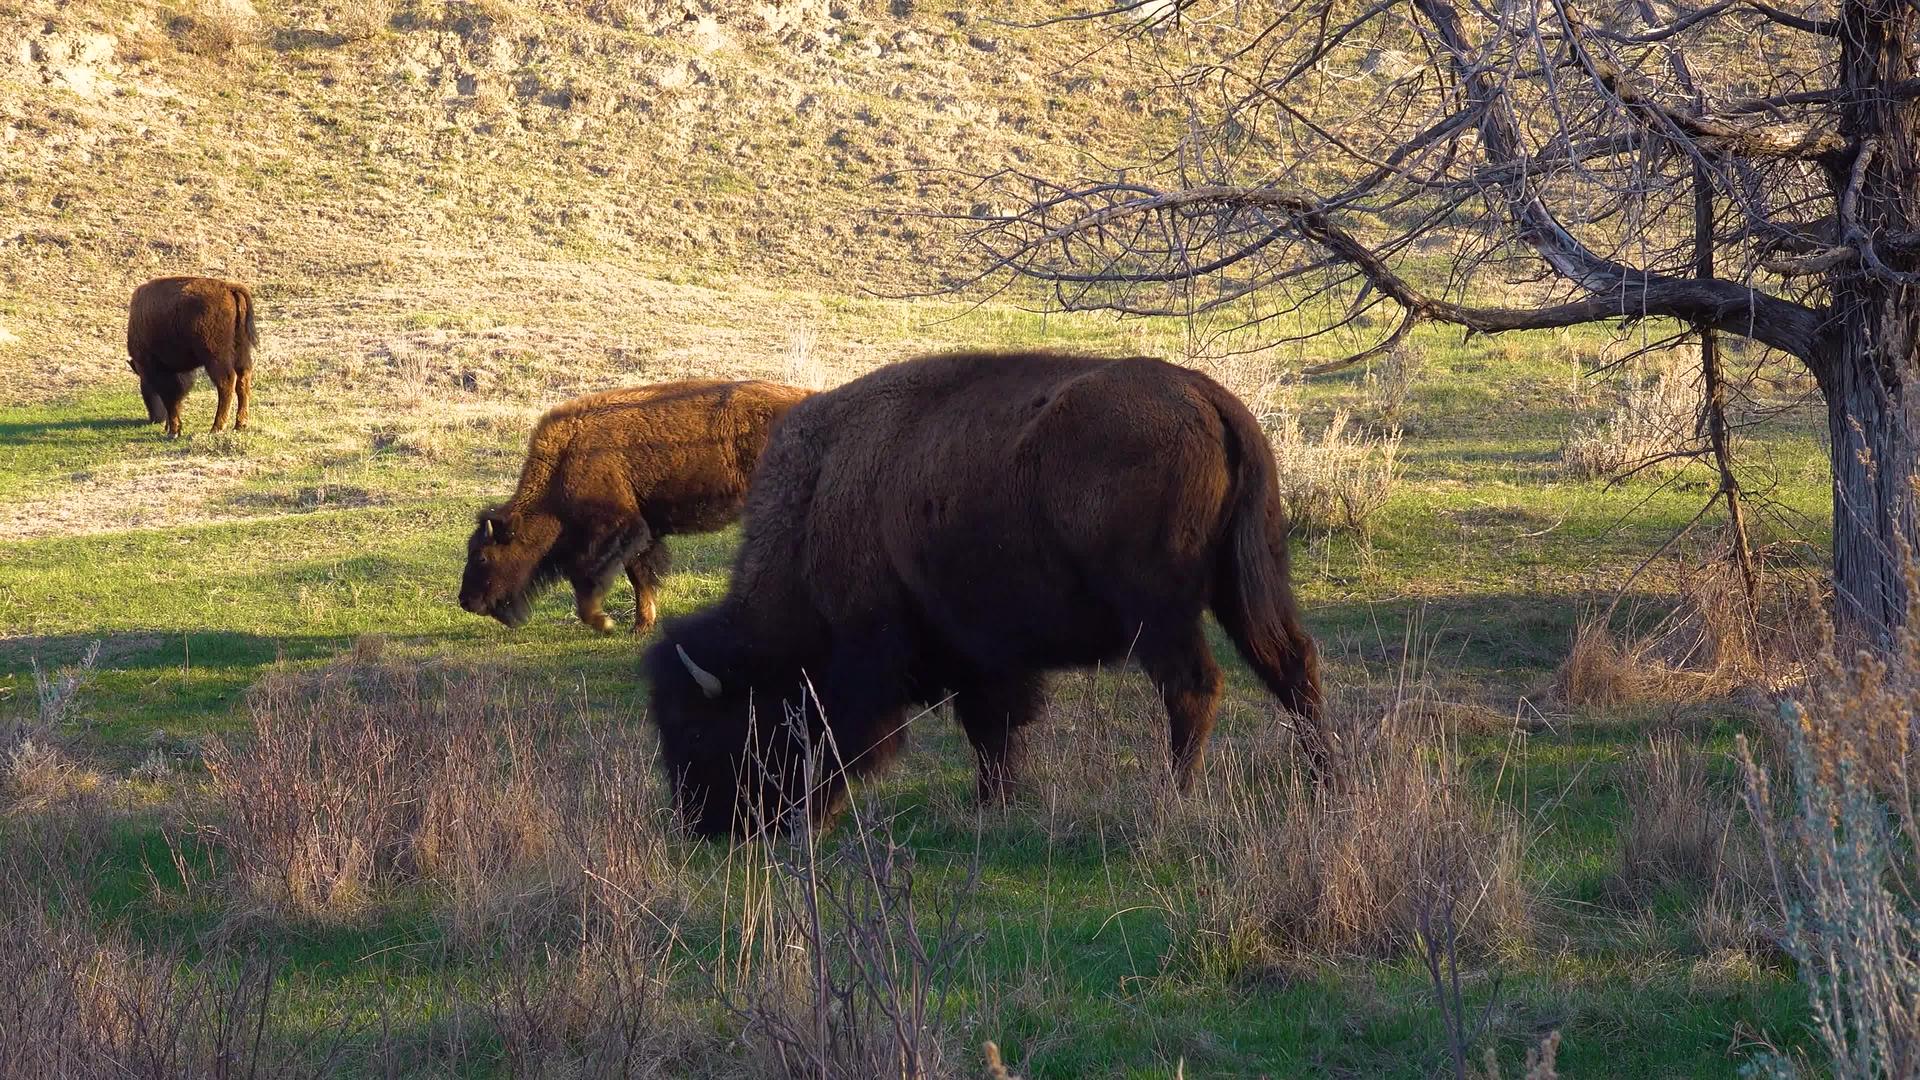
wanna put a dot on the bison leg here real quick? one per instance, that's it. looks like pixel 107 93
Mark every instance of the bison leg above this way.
pixel 587 598
pixel 223 385
pixel 992 714
pixel 644 572
pixel 605 545
pixel 244 388
pixel 173 418
pixel 1182 666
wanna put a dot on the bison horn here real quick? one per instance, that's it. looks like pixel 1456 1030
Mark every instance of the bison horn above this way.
pixel 708 684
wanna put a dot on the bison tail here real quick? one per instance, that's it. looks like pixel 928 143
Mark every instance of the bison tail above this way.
pixel 1253 596
pixel 243 321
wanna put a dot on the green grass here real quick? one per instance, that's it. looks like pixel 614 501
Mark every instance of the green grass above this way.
pixel 1486 549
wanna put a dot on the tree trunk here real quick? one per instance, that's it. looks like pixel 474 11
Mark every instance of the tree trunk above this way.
pixel 1876 440
pixel 1872 375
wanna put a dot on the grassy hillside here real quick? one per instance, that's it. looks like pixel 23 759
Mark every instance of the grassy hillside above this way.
pixel 457 214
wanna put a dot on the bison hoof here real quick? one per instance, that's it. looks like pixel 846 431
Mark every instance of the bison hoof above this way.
pixel 600 621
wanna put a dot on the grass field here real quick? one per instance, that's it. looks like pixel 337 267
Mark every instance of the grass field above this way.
pixel 1089 933
pixel 269 798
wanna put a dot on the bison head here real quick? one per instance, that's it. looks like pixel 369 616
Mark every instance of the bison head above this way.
pixel 734 752
pixel 508 561
pixel 162 390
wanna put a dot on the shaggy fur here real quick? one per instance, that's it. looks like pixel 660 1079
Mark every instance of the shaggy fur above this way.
pixel 961 524
pixel 609 476
pixel 177 325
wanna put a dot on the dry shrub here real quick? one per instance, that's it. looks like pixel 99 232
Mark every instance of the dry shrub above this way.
pixel 1337 479
pixel 513 810
pixel 597 1008
pixel 78 1004
pixel 1839 816
pixel 1389 382
pixel 216 27
pixel 1655 414
pixel 36 766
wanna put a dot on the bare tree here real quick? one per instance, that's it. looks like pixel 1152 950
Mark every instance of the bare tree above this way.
pixel 1524 164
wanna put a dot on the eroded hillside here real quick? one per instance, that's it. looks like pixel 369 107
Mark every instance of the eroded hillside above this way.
pixel 373 154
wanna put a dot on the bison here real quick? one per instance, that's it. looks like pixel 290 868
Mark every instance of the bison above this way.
pixel 177 325
pixel 607 478
pixel 956 526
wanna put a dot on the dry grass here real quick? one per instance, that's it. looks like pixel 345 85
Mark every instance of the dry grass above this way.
pixel 215 28
pixel 1708 644
pixel 359 20
pixel 1679 830
pixel 1655 415
pixel 1331 476
pixel 1336 475
pixel 1298 873
pixel 513 810
pixel 80 1001
pixel 842 960
pixel 1603 672
pixel 1541 1063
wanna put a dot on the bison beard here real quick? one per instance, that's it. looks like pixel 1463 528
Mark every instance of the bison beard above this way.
pixel 960 525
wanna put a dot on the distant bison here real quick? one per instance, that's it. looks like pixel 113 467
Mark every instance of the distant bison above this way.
pixel 959 525
pixel 177 325
pixel 608 476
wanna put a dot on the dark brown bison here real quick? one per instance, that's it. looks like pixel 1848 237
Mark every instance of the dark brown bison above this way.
pixel 956 526
pixel 608 476
pixel 177 325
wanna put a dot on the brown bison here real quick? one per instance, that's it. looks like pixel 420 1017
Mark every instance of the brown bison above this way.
pixel 609 476
pixel 955 526
pixel 177 325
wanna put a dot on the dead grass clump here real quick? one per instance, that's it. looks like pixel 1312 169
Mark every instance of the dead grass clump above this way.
pixel 36 767
pixel 1602 671
pixel 1367 865
pixel 215 28
pixel 1710 643
pixel 1655 415
pixel 359 20
pixel 515 814
pixel 1678 827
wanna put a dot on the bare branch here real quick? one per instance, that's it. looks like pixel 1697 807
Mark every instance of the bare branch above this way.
pixel 1718 135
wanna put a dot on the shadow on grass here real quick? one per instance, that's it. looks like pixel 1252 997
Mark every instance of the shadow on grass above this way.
pixel 17 431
